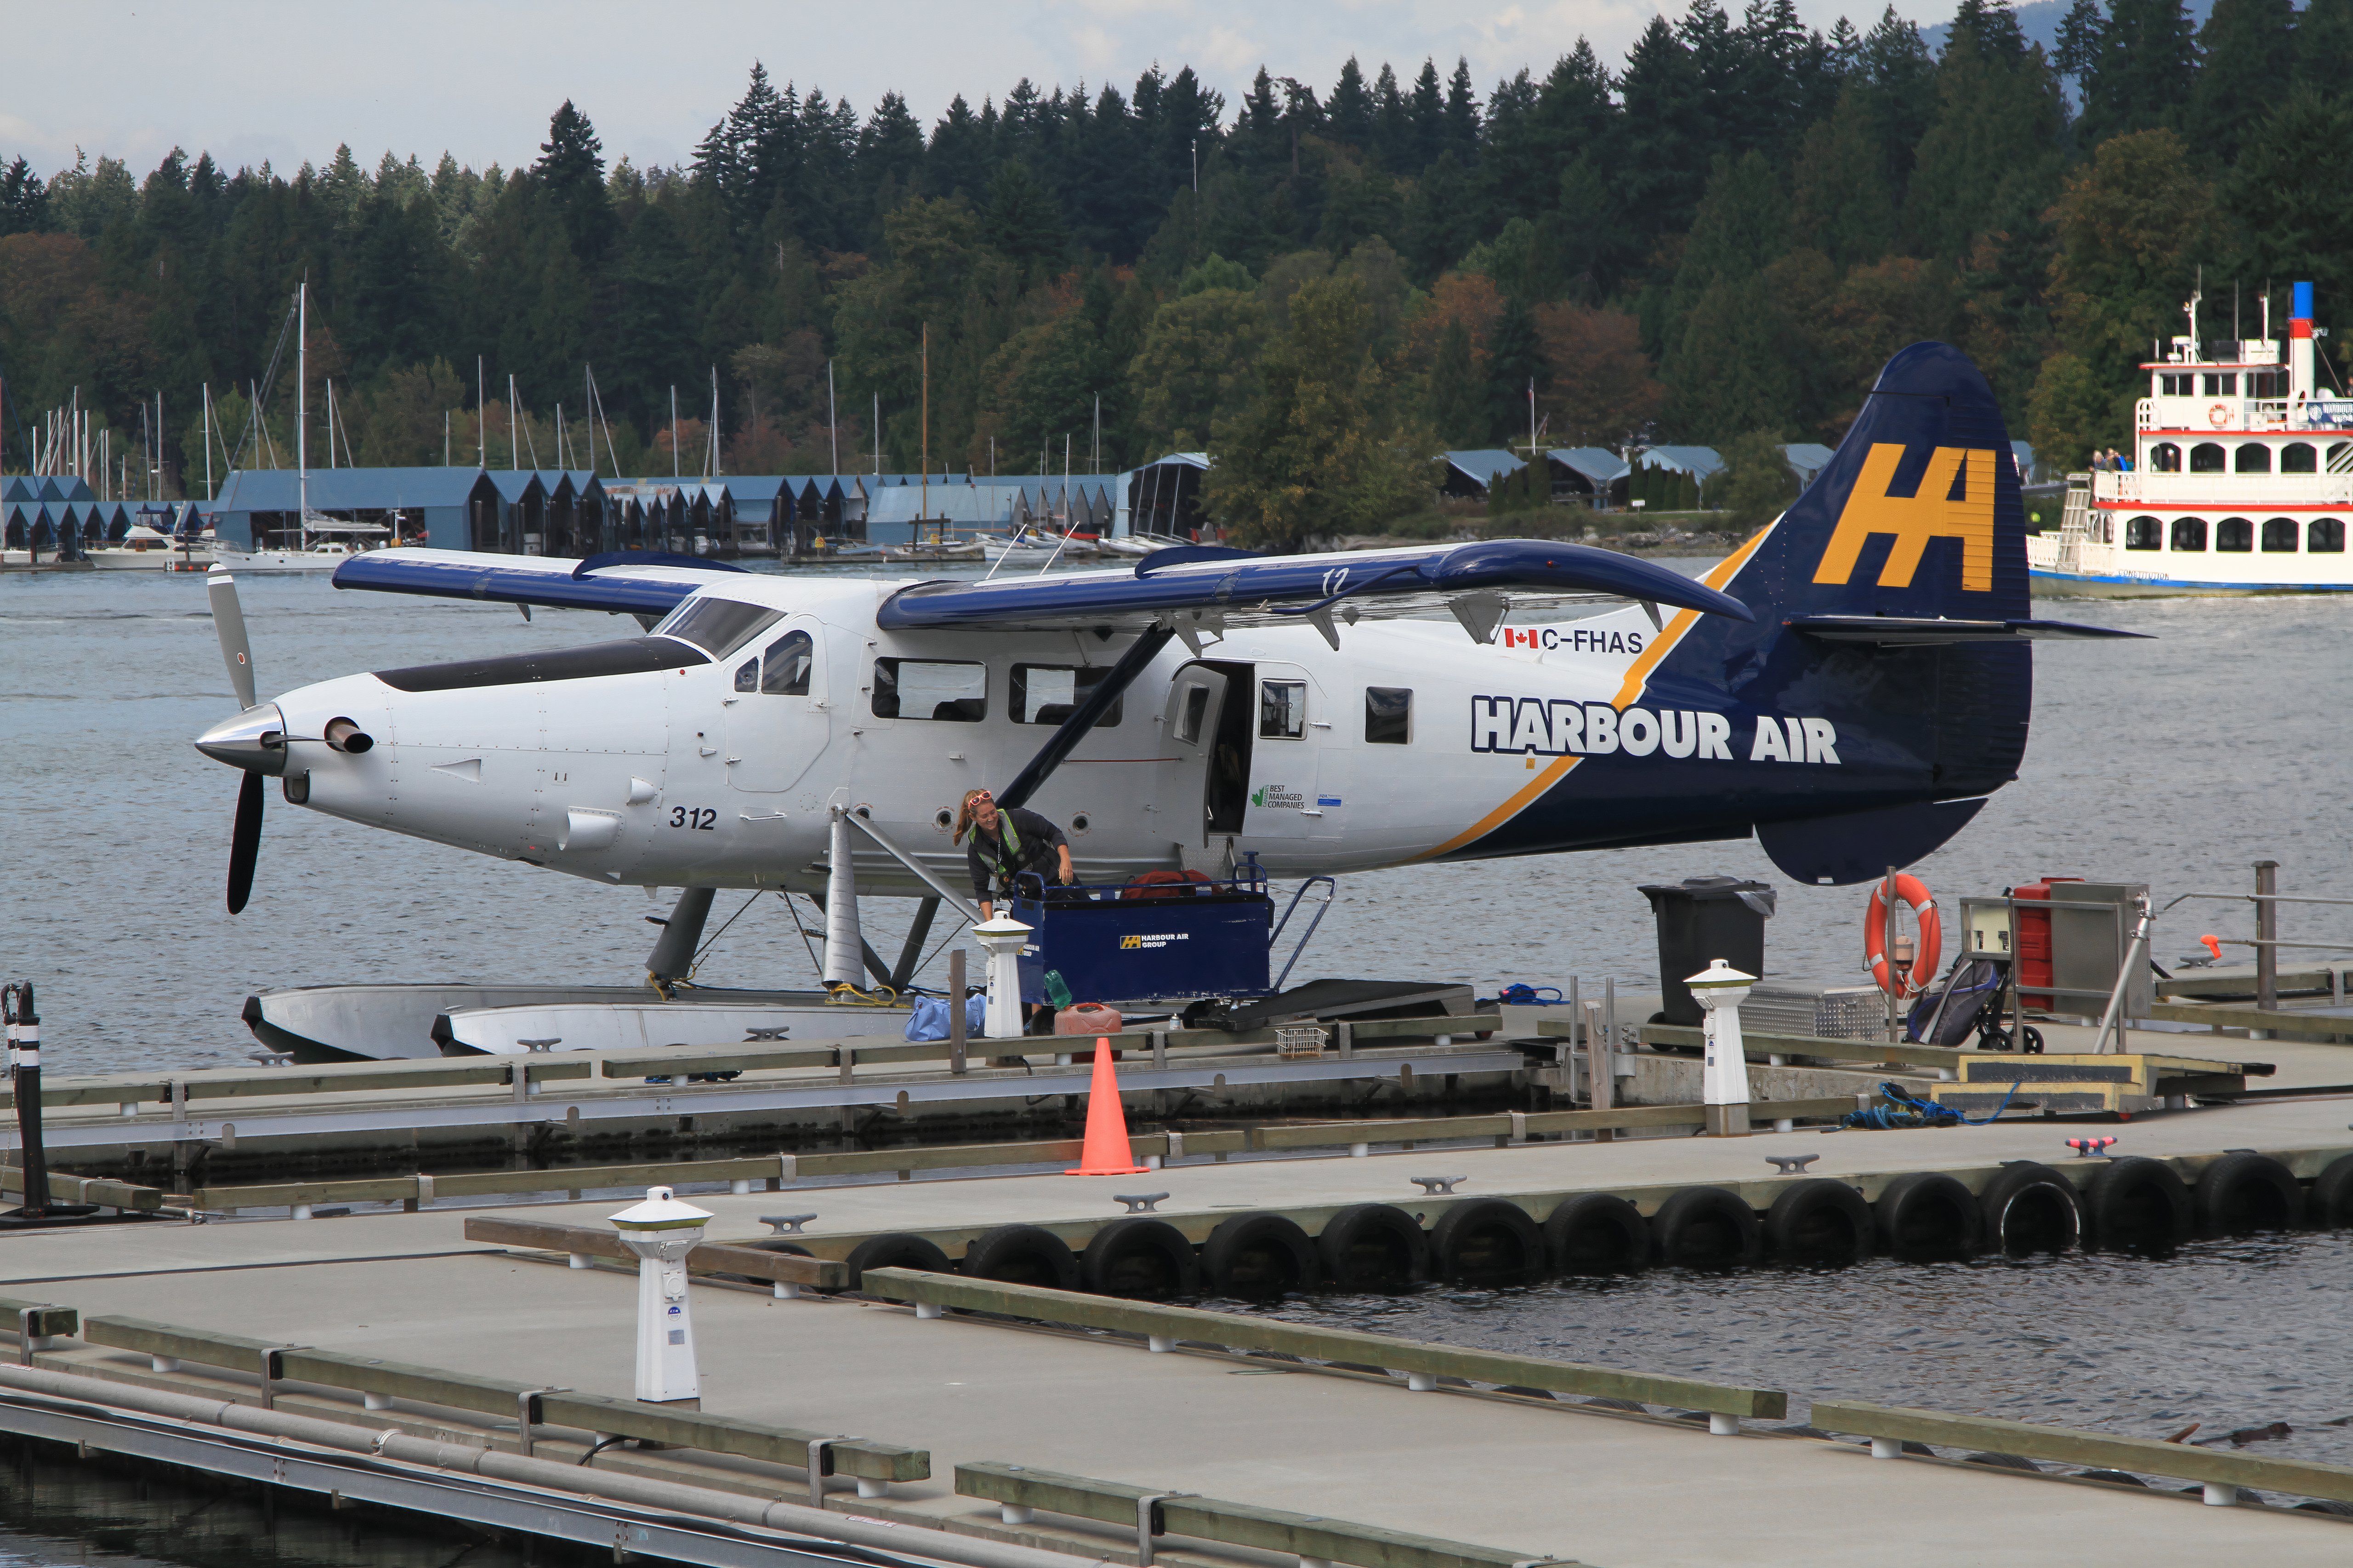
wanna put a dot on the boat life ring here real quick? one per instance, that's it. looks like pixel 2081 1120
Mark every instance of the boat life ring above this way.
pixel 1915 892
pixel 2219 415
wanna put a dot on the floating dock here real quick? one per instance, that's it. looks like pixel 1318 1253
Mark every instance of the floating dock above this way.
pixel 405 1360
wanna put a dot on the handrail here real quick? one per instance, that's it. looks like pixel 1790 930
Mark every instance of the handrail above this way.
pixel 789 1168
pixel 1310 1537
pixel 278 1364
pixel 1236 1332
pixel 1331 894
pixel 178 1090
pixel 1895 1425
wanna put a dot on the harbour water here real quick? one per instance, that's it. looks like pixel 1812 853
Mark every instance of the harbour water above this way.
pixel 2176 761
pixel 2233 1336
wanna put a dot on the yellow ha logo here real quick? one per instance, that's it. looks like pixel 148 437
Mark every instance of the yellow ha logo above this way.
pixel 1916 519
pixel 1128 942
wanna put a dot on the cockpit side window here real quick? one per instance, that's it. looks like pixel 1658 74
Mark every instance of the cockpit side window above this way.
pixel 718 626
pixel 784 668
pixel 748 676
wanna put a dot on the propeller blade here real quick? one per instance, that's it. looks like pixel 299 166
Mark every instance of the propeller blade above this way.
pixel 228 625
pixel 246 844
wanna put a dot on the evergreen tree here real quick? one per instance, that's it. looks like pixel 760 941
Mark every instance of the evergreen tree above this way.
pixel 1462 133
pixel 1839 199
pixel 2324 47
pixel 1393 138
pixel 2132 228
pixel 1515 363
pixel 1998 108
pixel 1662 167
pixel 2248 49
pixel 571 175
pixel 2137 66
pixel 1349 109
pixel 24 200
pixel 2293 220
pixel 1025 225
pixel 1427 113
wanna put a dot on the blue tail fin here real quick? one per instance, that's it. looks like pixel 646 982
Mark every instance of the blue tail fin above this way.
pixel 1916 517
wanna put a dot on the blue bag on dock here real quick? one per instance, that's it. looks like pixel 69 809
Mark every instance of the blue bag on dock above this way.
pixel 929 1020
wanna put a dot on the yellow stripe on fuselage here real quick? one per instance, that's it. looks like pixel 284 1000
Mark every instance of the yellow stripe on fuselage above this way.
pixel 1638 675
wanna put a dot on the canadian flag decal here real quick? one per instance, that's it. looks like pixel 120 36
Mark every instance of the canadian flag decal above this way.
pixel 1515 636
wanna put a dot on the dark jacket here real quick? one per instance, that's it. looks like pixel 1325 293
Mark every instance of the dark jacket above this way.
pixel 996 861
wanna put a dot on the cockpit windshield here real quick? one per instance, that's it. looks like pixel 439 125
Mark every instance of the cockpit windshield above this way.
pixel 718 626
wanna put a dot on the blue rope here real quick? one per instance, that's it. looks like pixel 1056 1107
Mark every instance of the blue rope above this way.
pixel 1906 1109
pixel 1520 993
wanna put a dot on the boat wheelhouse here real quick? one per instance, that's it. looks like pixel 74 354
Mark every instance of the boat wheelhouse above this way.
pixel 2241 478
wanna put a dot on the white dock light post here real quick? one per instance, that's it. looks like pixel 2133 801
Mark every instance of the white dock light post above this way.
pixel 1004 937
pixel 661 1231
pixel 1724 1082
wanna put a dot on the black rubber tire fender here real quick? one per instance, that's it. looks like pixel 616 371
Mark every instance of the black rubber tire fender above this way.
pixel 1488 1241
pixel 2030 1207
pixel 1708 1227
pixel 2331 1204
pixel 1597 1233
pixel 1022 1255
pixel 2244 1190
pixel 1819 1221
pixel 2137 1202
pixel 1927 1217
pixel 1258 1254
pixel 1141 1258
pixel 895 1249
pixel 1373 1246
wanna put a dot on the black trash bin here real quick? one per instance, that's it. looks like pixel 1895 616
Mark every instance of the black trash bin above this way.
pixel 1701 918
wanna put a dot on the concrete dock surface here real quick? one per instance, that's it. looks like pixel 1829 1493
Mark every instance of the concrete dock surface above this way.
pixel 1557 1480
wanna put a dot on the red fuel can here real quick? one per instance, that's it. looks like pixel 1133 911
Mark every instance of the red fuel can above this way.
pixel 2033 940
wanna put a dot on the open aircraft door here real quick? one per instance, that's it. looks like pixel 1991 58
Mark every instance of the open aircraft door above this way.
pixel 1206 783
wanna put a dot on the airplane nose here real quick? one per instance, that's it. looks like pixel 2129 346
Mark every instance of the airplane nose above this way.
pixel 254 741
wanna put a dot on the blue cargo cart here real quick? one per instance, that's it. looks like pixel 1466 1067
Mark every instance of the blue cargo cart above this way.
pixel 1157 941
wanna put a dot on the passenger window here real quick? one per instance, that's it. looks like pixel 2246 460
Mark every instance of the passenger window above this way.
pixel 1283 710
pixel 784 668
pixel 2325 536
pixel 717 627
pixel 2297 457
pixel 1194 713
pixel 2144 533
pixel 1388 715
pixel 748 676
pixel 2189 533
pixel 2279 533
pixel 2234 533
pixel 1049 693
pixel 931 689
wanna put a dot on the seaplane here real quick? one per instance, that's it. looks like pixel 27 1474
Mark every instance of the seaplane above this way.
pixel 1849 686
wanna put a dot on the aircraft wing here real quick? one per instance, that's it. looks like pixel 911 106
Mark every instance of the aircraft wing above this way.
pixel 640 582
pixel 1192 586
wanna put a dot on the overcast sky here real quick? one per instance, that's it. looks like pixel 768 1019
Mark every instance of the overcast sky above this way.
pixel 251 79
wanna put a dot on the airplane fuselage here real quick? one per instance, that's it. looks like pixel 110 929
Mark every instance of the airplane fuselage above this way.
pixel 1408 742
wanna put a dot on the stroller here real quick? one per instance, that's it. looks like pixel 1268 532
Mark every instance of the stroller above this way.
pixel 1968 1000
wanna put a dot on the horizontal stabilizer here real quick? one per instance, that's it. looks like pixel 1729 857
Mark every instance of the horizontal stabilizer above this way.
pixel 632 583
pixel 1907 631
pixel 1275 590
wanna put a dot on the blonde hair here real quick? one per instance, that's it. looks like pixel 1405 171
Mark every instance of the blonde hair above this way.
pixel 965 817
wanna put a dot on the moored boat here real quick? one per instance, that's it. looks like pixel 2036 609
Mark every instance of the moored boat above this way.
pixel 2241 480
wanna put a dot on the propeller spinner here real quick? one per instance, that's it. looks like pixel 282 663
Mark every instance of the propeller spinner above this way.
pixel 254 741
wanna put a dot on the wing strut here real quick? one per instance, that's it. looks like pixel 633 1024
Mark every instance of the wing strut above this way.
pixel 1075 729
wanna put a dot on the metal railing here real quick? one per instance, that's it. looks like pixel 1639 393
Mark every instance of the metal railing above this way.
pixel 2267 942
pixel 1347 1349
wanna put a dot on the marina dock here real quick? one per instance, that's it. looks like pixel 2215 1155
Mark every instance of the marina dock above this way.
pixel 1045 1422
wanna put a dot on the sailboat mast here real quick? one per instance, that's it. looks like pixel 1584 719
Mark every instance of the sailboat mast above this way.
pixel 301 408
pixel 924 509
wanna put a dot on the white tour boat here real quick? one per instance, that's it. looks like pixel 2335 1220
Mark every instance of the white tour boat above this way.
pixel 2242 480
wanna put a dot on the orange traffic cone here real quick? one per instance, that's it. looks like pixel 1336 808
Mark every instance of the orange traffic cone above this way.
pixel 1106 1152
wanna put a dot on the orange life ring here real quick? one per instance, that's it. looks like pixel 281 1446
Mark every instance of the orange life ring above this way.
pixel 1915 892
pixel 2219 415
